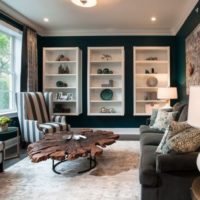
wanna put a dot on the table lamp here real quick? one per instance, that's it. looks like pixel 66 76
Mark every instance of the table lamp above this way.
pixel 194 111
pixel 167 93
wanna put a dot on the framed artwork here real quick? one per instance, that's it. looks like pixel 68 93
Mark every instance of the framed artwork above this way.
pixel 192 44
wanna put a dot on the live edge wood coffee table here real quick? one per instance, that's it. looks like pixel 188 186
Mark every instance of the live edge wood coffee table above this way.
pixel 57 147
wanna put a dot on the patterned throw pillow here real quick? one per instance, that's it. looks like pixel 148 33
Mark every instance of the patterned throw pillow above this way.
pixel 173 129
pixel 185 141
pixel 176 127
pixel 163 120
pixel 161 146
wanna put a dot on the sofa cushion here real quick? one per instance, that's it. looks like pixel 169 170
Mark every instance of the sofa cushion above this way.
pixel 185 141
pixel 147 170
pixel 178 107
pixel 151 139
pixel 147 129
pixel 184 114
pixel 163 119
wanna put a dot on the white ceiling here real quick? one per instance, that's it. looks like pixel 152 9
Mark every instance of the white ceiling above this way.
pixel 109 17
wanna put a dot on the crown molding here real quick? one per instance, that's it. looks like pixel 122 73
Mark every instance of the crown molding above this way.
pixel 183 16
pixel 21 18
pixel 110 32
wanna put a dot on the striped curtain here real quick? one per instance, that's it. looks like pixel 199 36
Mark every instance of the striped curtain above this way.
pixel 29 69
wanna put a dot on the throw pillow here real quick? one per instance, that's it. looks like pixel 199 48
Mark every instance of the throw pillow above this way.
pixel 155 113
pixel 185 141
pixel 176 127
pixel 153 116
pixel 160 148
pixel 178 107
pixel 163 120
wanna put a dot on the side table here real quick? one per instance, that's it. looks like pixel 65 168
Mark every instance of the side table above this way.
pixel 9 139
pixel 196 189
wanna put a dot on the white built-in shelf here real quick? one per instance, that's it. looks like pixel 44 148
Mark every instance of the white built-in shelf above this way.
pixel 72 77
pixel 158 68
pixel 114 63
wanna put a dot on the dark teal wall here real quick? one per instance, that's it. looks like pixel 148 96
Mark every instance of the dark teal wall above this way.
pixel 128 120
pixel 192 21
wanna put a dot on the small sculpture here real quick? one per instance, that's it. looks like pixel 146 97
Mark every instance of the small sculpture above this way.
pixel 62 58
pixel 99 71
pixel 146 71
pixel 106 57
pixel 107 110
pixel 61 84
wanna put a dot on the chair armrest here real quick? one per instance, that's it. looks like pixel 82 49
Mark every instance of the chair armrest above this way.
pixel 176 162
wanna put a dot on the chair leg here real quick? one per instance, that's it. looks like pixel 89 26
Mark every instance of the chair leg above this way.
pixel 1 167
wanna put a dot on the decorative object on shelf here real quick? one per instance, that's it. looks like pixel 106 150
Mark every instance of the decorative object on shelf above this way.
pixel 66 70
pixel 58 108
pixel 64 96
pixel 106 57
pixel 99 71
pixel 146 71
pixel 152 81
pixel 110 84
pixel 4 121
pixel 106 94
pixel 105 71
pixel 62 70
pixel 150 96
pixel 61 84
pixel 62 58
pixel 107 110
pixel 167 94
pixel 152 58
pixel 152 70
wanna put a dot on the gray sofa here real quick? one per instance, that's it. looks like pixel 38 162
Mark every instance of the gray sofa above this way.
pixel 1 157
pixel 169 176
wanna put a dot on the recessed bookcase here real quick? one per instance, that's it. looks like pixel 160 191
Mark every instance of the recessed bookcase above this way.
pixel 151 71
pixel 63 65
pixel 105 65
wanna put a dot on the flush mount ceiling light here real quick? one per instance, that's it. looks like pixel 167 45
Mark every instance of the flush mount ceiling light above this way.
pixel 85 3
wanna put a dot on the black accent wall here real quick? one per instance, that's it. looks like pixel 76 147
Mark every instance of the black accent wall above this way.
pixel 192 21
pixel 128 120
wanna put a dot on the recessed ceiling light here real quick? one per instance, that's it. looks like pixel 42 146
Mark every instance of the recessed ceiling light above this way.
pixel 153 19
pixel 85 3
pixel 46 19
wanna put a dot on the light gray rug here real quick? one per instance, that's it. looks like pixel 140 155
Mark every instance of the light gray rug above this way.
pixel 114 178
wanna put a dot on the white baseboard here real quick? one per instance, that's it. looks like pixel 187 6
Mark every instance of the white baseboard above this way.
pixel 120 131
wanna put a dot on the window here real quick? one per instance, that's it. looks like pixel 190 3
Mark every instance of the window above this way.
pixel 10 65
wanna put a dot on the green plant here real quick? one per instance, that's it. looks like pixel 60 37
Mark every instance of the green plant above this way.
pixel 4 120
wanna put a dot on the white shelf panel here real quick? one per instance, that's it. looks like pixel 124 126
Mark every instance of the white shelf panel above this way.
pixel 101 88
pixel 151 62
pixel 73 79
pixel 108 75
pixel 114 63
pixel 59 62
pixel 59 88
pixel 149 59
pixel 60 75
pixel 105 114
pixel 106 61
pixel 105 101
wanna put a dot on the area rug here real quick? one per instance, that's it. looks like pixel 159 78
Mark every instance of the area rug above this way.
pixel 114 178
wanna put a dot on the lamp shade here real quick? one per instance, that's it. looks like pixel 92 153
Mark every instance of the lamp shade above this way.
pixel 167 93
pixel 85 3
pixel 194 107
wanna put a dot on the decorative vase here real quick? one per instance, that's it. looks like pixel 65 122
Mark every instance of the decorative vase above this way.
pixel 4 128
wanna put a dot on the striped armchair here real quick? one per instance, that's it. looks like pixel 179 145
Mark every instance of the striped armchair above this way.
pixel 36 117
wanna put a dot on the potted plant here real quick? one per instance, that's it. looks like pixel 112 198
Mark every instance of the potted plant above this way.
pixel 4 121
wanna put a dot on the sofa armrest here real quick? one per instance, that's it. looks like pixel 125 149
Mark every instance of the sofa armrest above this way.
pixel 176 162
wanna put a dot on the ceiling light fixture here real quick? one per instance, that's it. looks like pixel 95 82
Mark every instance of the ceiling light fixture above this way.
pixel 85 3
pixel 46 19
pixel 153 19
